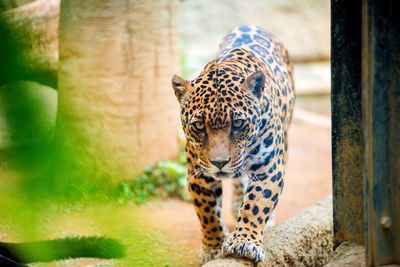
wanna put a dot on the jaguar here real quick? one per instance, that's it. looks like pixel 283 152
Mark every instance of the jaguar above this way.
pixel 235 116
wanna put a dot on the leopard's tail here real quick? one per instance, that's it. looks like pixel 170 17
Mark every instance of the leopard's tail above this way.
pixel 17 254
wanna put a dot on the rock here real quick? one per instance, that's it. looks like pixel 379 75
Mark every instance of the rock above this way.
pixel 303 240
pixel 348 254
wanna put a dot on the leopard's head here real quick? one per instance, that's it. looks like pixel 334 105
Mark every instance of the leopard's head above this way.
pixel 220 113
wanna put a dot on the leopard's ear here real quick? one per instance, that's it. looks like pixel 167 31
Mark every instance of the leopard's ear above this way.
pixel 255 84
pixel 181 87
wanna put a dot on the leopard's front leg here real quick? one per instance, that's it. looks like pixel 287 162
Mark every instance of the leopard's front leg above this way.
pixel 206 196
pixel 259 202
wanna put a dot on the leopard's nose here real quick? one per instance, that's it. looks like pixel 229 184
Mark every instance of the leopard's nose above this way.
pixel 220 163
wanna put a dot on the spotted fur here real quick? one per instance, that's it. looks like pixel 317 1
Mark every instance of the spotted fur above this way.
pixel 235 116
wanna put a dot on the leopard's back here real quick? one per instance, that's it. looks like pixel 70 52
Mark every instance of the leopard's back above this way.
pixel 271 53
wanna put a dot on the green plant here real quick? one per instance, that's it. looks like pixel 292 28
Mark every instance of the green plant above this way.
pixel 166 178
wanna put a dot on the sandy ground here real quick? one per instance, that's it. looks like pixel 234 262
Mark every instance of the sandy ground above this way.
pixel 308 179
pixel 167 231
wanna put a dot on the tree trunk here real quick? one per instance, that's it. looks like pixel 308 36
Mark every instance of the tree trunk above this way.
pixel 116 111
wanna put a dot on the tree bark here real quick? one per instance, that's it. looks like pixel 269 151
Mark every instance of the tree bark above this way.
pixel 116 111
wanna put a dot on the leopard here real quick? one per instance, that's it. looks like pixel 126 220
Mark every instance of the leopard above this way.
pixel 235 117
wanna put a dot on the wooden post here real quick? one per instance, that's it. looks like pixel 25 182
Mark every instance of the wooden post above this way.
pixel 381 116
pixel 347 131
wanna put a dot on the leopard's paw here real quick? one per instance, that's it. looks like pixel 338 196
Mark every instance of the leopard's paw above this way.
pixel 208 254
pixel 241 247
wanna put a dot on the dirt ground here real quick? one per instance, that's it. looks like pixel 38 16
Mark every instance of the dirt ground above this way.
pixel 308 179
pixel 167 232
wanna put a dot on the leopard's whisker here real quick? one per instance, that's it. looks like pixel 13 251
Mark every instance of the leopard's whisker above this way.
pixel 253 178
pixel 255 161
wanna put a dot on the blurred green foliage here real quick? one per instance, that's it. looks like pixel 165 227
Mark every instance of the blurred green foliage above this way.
pixel 35 196
pixel 27 147
pixel 35 201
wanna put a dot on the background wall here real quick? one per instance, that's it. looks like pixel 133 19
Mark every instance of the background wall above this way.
pixel 302 25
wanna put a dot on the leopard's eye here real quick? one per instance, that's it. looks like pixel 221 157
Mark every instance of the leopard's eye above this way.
pixel 237 124
pixel 199 125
